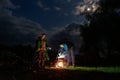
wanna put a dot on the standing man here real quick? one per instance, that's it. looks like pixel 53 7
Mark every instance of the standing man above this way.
pixel 70 56
pixel 42 50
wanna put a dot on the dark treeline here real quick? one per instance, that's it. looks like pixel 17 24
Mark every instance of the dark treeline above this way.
pixel 101 36
pixel 24 52
pixel 21 57
pixel 16 57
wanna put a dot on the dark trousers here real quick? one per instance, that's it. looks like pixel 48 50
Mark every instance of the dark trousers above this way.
pixel 41 58
pixel 70 56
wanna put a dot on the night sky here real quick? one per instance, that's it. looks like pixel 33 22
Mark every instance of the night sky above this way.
pixel 22 21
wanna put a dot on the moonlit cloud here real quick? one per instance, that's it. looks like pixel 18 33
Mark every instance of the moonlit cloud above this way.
pixel 79 9
pixel 87 6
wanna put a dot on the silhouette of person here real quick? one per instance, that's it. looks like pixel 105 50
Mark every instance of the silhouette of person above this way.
pixel 42 50
pixel 70 55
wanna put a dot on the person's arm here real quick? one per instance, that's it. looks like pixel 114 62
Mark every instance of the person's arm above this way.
pixel 47 56
pixel 38 46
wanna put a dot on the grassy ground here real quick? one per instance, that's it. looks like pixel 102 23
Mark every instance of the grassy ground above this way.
pixel 69 73
pixel 79 73
pixel 98 69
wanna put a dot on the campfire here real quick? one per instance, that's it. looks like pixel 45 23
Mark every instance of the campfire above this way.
pixel 61 63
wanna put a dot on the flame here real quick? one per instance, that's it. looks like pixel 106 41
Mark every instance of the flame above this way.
pixel 60 64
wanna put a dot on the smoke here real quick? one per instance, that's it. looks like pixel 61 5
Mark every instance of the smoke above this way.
pixel 87 6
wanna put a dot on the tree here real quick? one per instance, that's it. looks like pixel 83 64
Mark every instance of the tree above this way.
pixel 101 37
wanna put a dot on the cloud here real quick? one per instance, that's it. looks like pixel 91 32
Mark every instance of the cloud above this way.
pixel 73 29
pixel 87 6
pixel 57 8
pixel 42 6
pixel 79 9
pixel 17 30
pixel 46 8
pixel 7 4
pixel 69 1
pixel 63 1
pixel 66 14
pixel 70 32
pixel 55 30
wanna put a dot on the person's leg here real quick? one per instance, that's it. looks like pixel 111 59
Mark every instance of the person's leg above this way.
pixel 43 58
pixel 68 58
pixel 73 58
pixel 39 59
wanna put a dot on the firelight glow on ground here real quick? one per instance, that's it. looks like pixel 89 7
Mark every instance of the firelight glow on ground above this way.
pixel 98 69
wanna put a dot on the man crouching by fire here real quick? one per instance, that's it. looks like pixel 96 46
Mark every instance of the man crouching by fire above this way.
pixel 62 56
